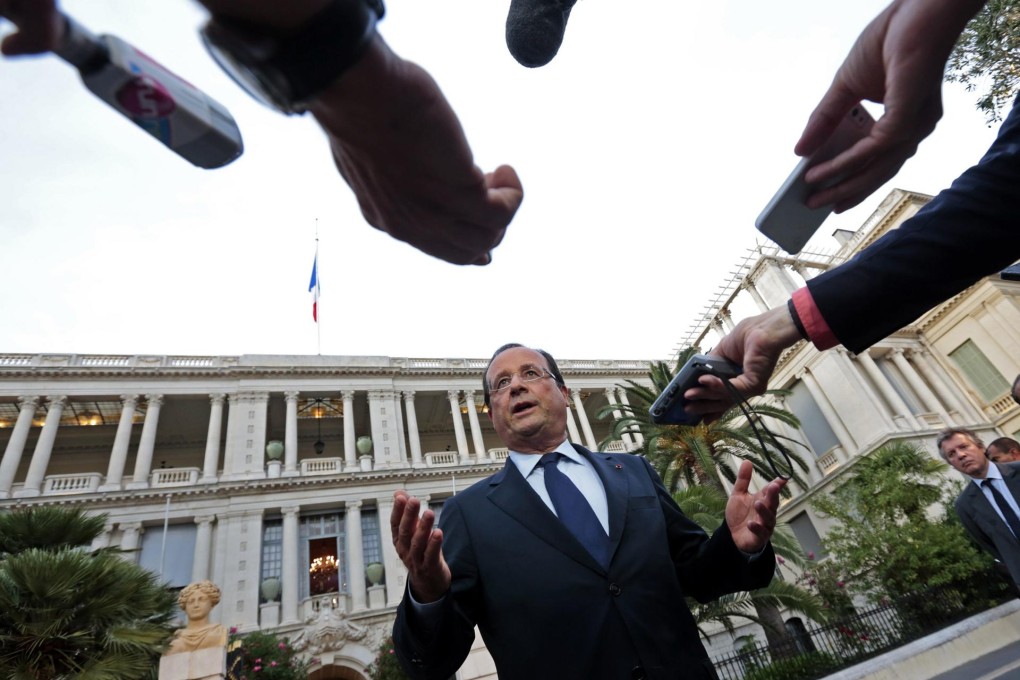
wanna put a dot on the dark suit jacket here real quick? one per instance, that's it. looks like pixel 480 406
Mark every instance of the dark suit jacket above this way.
pixel 547 609
pixel 967 232
pixel 984 524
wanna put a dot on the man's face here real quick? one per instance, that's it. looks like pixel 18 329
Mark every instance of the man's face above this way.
pixel 997 455
pixel 530 417
pixel 965 456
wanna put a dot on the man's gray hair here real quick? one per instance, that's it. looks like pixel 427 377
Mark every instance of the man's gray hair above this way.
pixel 952 432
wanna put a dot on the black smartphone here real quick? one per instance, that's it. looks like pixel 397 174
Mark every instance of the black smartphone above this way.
pixel 668 409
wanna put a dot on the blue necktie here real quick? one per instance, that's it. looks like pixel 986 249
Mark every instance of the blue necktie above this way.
pixel 1007 510
pixel 574 511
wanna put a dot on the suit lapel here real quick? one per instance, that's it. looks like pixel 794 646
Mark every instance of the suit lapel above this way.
pixel 511 493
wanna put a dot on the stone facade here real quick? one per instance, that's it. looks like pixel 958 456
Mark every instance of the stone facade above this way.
pixel 182 442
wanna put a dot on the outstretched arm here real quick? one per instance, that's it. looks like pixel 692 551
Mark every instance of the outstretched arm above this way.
pixel 898 61
pixel 399 145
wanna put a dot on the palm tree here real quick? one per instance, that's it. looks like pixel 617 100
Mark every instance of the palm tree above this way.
pixel 693 461
pixel 67 611
pixel 706 505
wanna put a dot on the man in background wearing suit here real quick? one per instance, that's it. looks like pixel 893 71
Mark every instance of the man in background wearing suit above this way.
pixel 988 507
pixel 572 564
pixel 1004 450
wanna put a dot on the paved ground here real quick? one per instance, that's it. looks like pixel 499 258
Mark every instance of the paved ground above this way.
pixel 1003 664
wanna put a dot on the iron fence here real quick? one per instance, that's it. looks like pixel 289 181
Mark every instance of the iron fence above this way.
pixel 827 648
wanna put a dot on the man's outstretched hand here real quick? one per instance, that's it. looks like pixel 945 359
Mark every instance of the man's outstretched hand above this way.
pixel 399 145
pixel 751 518
pixel 420 548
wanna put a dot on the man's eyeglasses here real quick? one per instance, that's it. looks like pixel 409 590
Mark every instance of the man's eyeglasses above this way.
pixel 527 374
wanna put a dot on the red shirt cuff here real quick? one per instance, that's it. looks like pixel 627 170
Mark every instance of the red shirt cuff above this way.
pixel 814 323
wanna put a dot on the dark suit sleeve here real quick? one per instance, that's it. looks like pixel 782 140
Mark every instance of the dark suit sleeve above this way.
pixel 967 232
pixel 436 652
pixel 965 511
pixel 709 567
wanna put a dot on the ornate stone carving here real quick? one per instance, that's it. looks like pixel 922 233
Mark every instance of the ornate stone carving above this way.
pixel 328 630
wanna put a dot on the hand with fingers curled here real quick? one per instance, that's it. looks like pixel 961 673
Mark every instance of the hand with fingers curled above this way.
pixel 751 517
pixel 39 26
pixel 898 61
pixel 419 546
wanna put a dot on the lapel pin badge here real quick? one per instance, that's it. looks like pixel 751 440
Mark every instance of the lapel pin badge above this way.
pixel 619 467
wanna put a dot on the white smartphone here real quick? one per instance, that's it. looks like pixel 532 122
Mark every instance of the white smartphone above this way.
pixel 786 219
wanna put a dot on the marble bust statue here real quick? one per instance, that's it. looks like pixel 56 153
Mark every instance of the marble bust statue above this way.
pixel 197 600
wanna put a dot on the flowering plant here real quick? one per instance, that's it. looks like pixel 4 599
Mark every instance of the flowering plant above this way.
pixel 386 666
pixel 264 656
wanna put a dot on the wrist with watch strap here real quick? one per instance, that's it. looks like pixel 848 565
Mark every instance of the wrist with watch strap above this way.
pixel 285 70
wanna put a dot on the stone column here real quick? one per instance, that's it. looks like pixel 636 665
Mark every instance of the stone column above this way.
pixel 147 443
pixel 131 538
pixel 290 462
pixel 121 441
pixel 589 436
pixel 458 426
pixel 210 464
pixel 350 451
pixel 476 430
pixel 16 445
pixel 43 449
pixel 863 386
pixel 756 296
pixel 846 440
pixel 929 400
pixel 290 572
pixel 618 415
pixel 899 406
pixel 412 429
pixel 949 391
pixel 638 437
pixel 203 547
pixel 395 573
pixel 103 540
pixel 924 366
pixel 575 436
pixel 356 557
pixel 401 438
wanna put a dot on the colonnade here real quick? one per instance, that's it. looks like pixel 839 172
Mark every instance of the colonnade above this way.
pixel 242 456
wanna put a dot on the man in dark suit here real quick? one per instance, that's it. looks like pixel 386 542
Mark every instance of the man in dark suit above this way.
pixel 573 564
pixel 988 507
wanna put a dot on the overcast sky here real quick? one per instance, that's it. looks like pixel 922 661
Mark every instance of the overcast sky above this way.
pixel 647 148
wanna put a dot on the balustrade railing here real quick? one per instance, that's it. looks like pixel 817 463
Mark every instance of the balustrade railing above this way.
pixel 174 477
pixel 81 483
pixel 322 466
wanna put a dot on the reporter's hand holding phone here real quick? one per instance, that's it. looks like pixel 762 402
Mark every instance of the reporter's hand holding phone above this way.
pixel 755 344
pixel 898 61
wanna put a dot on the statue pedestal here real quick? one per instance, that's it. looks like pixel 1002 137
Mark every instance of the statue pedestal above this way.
pixel 203 664
pixel 377 597
pixel 269 615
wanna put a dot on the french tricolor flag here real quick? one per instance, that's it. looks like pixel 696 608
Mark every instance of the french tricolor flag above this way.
pixel 313 286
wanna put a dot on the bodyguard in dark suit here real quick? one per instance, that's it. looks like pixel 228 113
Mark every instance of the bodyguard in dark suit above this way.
pixel 572 564
pixel 988 507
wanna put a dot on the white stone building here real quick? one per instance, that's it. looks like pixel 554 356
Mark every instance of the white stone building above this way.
pixel 952 367
pixel 185 442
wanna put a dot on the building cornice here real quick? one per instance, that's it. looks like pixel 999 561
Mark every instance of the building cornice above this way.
pixel 97 366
